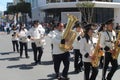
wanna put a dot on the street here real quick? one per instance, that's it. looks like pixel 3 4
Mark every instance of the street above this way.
pixel 14 68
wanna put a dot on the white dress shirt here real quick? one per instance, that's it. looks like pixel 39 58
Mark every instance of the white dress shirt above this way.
pixel 37 33
pixel 14 38
pixel 23 35
pixel 87 48
pixel 106 39
pixel 56 42
pixel 76 43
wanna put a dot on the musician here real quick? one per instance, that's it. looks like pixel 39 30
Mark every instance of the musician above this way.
pixel 51 36
pixel 78 63
pixel 15 38
pixel 86 48
pixel 107 43
pixel 101 30
pixel 23 40
pixel 36 35
pixel 59 55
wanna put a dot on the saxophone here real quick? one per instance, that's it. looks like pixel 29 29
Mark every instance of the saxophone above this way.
pixel 69 34
pixel 96 54
pixel 116 48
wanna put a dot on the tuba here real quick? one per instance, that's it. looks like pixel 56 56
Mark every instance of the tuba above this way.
pixel 69 34
pixel 96 54
pixel 117 47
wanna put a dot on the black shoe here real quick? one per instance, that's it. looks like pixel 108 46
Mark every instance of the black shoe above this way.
pixel 64 78
pixel 20 56
pixel 76 71
pixel 35 63
pixel 39 62
pixel 57 76
pixel 27 57
pixel 17 51
pixel 104 79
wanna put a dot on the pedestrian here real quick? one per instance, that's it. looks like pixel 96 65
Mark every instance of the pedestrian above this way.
pixel 23 40
pixel 78 63
pixel 36 35
pixel 59 55
pixel 107 44
pixel 15 39
pixel 86 48
pixel 101 31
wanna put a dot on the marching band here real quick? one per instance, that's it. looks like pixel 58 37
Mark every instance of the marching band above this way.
pixel 83 48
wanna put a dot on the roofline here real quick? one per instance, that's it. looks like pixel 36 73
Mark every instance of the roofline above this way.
pixel 98 4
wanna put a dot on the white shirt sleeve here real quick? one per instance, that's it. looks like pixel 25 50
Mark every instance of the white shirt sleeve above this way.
pixel 102 40
pixel 83 46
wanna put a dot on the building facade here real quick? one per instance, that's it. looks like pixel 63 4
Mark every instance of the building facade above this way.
pixel 49 10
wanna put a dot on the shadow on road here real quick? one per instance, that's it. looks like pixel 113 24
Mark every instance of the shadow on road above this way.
pixel 22 66
pixel 6 53
pixel 51 77
pixel 47 63
pixel 10 59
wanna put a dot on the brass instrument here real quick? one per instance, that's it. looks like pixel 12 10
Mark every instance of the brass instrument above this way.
pixel 69 34
pixel 97 53
pixel 14 35
pixel 117 48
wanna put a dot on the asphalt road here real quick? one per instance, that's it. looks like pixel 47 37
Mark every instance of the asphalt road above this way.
pixel 14 68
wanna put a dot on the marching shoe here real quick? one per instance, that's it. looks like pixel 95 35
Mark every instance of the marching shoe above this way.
pixel 27 57
pixel 64 78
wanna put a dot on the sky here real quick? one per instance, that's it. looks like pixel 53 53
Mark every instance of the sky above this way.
pixel 3 4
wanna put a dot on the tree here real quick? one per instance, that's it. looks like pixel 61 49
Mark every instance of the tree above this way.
pixel 86 9
pixel 22 7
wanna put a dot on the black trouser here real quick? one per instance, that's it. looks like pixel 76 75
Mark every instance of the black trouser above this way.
pixel 23 45
pixel 37 57
pixel 15 44
pixel 101 62
pixel 108 58
pixel 78 59
pixel 88 67
pixel 57 61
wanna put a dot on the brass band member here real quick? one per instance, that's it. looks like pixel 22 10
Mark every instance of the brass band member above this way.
pixel 59 55
pixel 107 43
pixel 23 40
pixel 15 38
pixel 78 63
pixel 36 35
pixel 101 30
pixel 86 48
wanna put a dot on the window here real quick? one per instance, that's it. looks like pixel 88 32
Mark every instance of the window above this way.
pixel 69 0
pixel 52 1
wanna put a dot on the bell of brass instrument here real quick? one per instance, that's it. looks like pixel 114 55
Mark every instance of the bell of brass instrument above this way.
pixel 117 48
pixel 69 34
pixel 97 53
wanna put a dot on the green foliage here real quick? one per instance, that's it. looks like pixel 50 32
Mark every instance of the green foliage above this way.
pixel 86 4
pixel 24 7
pixel 86 8
pixel 12 9
pixel 6 12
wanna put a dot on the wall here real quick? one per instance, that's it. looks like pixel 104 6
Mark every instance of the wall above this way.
pixel 117 15
pixel 116 0
pixel 64 17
